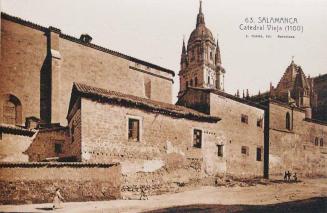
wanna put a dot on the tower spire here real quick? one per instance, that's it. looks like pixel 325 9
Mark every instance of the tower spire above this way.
pixel 217 55
pixel 200 17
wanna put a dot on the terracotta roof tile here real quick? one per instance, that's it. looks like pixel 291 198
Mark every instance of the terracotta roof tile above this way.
pixel 118 98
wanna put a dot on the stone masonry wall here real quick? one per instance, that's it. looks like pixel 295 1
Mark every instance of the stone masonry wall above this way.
pixel 43 145
pixel 234 134
pixel 165 145
pixel 36 182
pixel 27 67
pixel 96 68
pixel 23 56
pixel 295 150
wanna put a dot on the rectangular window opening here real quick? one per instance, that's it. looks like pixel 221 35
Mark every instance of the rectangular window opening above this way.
pixel 245 150
pixel 58 148
pixel 220 150
pixel 197 138
pixel 133 129
pixel 244 118
pixel 259 154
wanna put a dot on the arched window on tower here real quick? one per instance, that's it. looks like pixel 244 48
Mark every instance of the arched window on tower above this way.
pixel 196 81
pixel 208 79
pixel 191 83
pixel 12 110
pixel 288 121
pixel 321 142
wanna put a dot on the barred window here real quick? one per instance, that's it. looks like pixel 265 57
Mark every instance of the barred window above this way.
pixel 197 138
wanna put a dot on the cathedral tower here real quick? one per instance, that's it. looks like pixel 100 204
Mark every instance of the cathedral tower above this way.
pixel 200 64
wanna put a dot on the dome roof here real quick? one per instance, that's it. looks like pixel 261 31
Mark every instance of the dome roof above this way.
pixel 199 33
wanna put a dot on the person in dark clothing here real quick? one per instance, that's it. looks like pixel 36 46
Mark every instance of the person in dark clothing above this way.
pixel 288 176
pixel 295 177
pixel 285 176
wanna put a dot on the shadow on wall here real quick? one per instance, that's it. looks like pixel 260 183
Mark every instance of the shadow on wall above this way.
pixel 317 205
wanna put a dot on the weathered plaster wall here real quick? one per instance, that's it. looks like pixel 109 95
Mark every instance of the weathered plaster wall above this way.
pixel 166 144
pixel 13 147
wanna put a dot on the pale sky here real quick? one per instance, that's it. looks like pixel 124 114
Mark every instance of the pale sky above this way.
pixel 152 30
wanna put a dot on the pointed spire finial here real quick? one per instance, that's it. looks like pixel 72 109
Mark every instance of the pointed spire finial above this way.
pixel 200 17
pixel 183 48
pixel 292 59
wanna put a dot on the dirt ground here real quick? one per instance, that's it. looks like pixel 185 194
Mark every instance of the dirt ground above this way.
pixel 275 196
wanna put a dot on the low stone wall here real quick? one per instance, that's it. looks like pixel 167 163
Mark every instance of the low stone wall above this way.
pixel 36 182
pixel 169 178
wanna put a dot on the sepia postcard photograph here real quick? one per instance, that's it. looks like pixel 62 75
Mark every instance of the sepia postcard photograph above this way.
pixel 160 106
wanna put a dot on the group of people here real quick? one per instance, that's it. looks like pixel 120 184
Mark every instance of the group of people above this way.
pixel 288 176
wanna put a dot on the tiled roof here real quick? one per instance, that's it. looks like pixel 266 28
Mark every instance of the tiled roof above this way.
pixel 118 98
pixel 16 130
pixel 77 40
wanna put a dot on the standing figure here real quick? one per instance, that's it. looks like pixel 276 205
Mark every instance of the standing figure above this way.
pixel 57 199
pixel 288 176
pixel 285 176
pixel 295 177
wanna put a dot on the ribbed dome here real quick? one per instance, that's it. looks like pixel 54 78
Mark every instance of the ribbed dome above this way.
pixel 199 33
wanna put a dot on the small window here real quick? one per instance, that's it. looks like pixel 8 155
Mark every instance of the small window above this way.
pixel 196 81
pixel 244 118
pixel 259 122
pixel 211 56
pixel 147 88
pixel 58 148
pixel 191 83
pixel 220 150
pixel 208 79
pixel 321 142
pixel 186 84
pixel 316 141
pixel 133 129
pixel 245 150
pixel 259 154
pixel 288 121
pixel 197 138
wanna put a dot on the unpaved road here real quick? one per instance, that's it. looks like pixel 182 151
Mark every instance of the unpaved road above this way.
pixel 226 197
